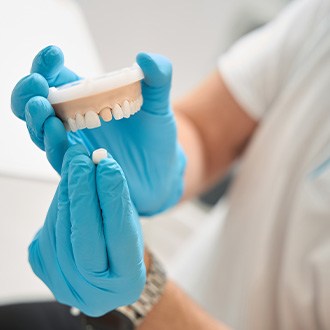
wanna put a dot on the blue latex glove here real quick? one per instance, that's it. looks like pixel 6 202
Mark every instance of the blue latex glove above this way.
pixel 90 250
pixel 145 145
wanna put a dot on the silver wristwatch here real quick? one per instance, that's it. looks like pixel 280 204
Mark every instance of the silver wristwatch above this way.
pixel 153 290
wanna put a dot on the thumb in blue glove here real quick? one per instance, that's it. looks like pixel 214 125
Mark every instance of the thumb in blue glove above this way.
pixel 90 250
pixel 29 103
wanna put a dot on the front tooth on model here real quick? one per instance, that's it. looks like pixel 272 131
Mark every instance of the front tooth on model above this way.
pixel 126 109
pixel 92 119
pixel 132 107
pixel 80 121
pixel 140 101
pixel 135 106
pixel 117 112
pixel 106 114
pixel 72 125
pixel 66 126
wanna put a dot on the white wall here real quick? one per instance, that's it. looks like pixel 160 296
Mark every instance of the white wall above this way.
pixel 192 33
pixel 24 204
pixel 27 182
pixel 23 33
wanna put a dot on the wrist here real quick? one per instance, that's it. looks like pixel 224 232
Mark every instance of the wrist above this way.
pixel 153 291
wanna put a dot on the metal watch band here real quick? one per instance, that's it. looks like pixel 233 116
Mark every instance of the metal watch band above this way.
pixel 153 290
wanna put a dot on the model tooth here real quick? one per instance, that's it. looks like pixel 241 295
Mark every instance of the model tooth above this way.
pixel 132 107
pixel 72 125
pixel 140 101
pixel 106 114
pixel 92 120
pixel 117 112
pixel 66 126
pixel 80 121
pixel 126 109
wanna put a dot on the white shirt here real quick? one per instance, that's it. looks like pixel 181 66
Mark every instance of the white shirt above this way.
pixel 268 265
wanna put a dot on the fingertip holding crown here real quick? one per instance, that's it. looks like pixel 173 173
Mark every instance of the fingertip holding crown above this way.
pixel 99 154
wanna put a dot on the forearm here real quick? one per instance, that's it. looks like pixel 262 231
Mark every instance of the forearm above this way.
pixel 213 130
pixel 191 142
pixel 176 311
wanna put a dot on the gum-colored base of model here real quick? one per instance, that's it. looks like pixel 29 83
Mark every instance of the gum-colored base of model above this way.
pixel 86 112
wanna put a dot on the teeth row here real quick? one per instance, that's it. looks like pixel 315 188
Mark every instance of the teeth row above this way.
pixel 92 120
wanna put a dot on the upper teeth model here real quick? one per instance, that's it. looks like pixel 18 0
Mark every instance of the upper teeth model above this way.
pixel 114 95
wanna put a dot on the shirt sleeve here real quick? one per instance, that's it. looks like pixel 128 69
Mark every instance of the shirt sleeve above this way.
pixel 257 68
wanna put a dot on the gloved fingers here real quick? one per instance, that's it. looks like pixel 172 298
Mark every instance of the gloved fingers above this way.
pixel 47 70
pixel 38 254
pixel 73 151
pixel 63 245
pixel 49 63
pixel 122 229
pixel 157 69
pixel 46 130
pixel 87 235
pixel 156 85
pixel 55 141
pixel 37 110
pixel 27 88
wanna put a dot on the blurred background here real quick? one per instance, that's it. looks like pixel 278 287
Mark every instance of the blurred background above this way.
pixel 100 36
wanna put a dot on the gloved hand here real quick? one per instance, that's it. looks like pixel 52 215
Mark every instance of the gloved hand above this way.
pixel 145 145
pixel 90 250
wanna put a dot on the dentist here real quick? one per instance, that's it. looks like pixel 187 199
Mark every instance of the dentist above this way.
pixel 267 104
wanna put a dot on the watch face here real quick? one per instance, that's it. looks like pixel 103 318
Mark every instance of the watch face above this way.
pixel 110 321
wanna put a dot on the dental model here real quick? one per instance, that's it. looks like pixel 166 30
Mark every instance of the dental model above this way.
pixel 98 155
pixel 114 95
